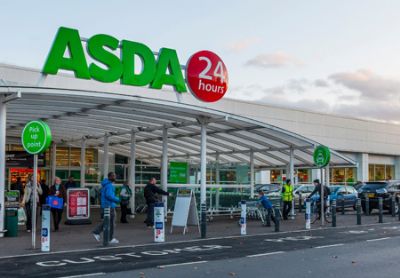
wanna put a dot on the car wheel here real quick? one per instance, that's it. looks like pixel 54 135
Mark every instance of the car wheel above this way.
pixel 396 208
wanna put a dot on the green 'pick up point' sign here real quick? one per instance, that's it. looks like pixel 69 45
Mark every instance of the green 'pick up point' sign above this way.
pixel 36 137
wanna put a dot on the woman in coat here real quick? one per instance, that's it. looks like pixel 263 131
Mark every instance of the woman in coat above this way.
pixel 58 190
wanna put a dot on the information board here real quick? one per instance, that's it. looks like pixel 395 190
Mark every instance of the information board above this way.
pixel 78 205
pixel 178 172
pixel 185 210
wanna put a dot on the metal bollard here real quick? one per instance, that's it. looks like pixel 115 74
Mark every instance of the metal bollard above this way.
pixel 358 205
pixel 333 209
pixel 393 206
pixel 203 226
pixel 106 226
pixel 343 206
pixel 366 204
pixel 243 218
pixel 380 202
pixel 307 215
pixel 277 219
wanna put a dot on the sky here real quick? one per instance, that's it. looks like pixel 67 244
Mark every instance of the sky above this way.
pixel 339 57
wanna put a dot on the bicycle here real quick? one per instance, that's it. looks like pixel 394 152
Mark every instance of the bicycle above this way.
pixel 316 211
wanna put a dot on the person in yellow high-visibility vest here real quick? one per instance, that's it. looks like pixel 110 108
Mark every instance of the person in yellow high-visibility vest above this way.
pixel 287 197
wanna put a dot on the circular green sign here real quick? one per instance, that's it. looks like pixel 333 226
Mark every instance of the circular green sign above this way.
pixel 322 156
pixel 36 137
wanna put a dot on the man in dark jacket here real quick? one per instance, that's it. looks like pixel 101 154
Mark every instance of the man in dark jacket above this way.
pixel 150 194
pixel 318 188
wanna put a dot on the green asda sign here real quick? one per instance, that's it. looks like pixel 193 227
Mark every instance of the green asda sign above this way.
pixel 36 137
pixel 322 156
pixel 178 172
pixel 107 66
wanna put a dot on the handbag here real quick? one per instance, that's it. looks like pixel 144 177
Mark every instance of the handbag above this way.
pixel 55 202
pixel 21 215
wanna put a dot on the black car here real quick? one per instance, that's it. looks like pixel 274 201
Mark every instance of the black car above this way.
pixel 376 189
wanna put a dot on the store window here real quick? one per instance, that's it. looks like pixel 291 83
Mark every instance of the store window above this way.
pixel 379 172
pixel 343 175
pixel 303 176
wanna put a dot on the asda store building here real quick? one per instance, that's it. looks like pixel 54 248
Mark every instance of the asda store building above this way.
pixel 105 116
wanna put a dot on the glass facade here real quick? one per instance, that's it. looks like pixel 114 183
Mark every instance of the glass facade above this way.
pixel 379 172
pixel 347 175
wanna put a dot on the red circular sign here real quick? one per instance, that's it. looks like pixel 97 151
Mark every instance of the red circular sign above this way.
pixel 207 76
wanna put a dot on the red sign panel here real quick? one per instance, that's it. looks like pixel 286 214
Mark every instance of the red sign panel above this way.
pixel 207 76
pixel 78 203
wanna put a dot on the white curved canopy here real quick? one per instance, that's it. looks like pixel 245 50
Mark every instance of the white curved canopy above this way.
pixel 76 114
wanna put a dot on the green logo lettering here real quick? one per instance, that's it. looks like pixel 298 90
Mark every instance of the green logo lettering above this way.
pixel 67 40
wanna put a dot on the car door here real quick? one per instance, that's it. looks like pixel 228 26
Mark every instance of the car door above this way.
pixel 341 197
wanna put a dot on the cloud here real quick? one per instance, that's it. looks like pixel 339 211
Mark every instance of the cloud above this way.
pixel 243 44
pixel 369 84
pixel 344 94
pixel 273 60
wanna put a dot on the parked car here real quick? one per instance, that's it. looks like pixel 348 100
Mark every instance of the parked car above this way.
pixel 302 193
pixel 376 189
pixel 271 190
pixel 345 196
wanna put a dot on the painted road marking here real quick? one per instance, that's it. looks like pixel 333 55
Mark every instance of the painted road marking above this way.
pixel 85 275
pixel 355 232
pixel 328 246
pixel 292 238
pixel 181 264
pixel 183 241
pixel 265 254
pixel 378 239
pixel 119 257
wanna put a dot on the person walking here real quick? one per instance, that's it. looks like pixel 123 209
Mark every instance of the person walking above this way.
pixel 287 198
pixel 58 190
pixel 44 195
pixel 70 183
pixel 150 194
pixel 108 200
pixel 267 205
pixel 126 194
pixel 27 200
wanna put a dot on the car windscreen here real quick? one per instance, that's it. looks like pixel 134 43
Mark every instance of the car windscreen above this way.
pixel 268 187
pixel 373 186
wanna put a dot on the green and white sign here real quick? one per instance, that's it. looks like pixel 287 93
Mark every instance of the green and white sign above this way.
pixel 178 172
pixel 322 156
pixel 36 137
pixel 114 60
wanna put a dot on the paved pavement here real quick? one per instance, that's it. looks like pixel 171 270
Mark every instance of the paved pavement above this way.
pixel 162 256
pixel 134 233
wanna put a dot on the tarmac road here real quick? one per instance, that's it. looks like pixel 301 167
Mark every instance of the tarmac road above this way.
pixel 222 256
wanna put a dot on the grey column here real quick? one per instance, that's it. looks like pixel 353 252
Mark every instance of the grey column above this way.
pixel 203 169
pixel 53 162
pixel 217 181
pixel 83 162
pixel 3 122
pixel 164 167
pixel 291 176
pixel 105 156
pixel 251 174
pixel 132 172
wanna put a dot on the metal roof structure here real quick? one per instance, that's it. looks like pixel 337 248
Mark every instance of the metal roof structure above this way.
pixel 74 115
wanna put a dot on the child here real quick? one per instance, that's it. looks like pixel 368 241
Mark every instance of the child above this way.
pixel 266 203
